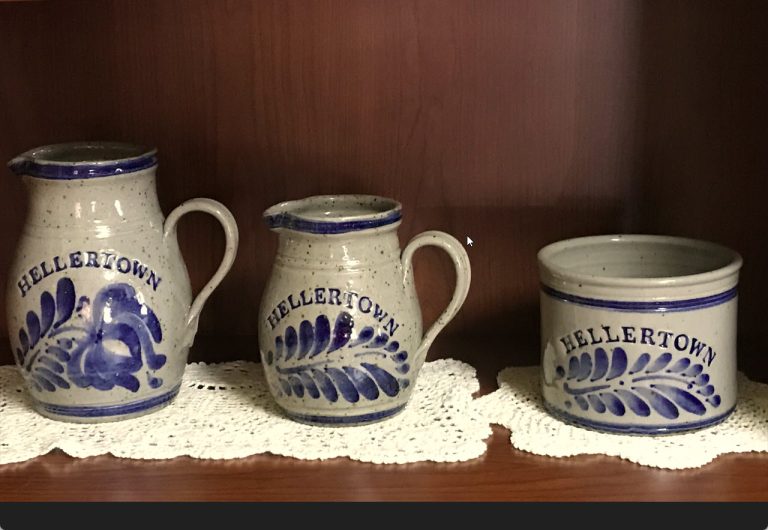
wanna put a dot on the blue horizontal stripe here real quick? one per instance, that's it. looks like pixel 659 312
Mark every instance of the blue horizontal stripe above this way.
pixel 111 410
pixel 344 420
pixel 645 307
pixel 636 428
pixel 292 222
pixel 83 171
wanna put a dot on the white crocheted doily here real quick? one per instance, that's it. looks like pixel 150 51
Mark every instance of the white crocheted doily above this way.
pixel 517 405
pixel 225 411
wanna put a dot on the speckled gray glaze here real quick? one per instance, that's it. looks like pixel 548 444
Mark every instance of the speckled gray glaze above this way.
pixel 639 332
pixel 99 304
pixel 340 327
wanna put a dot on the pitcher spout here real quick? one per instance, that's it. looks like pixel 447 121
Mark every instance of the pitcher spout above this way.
pixel 18 165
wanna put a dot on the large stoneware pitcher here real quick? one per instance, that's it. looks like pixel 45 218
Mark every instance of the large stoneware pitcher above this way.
pixel 99 304
pixel 340 326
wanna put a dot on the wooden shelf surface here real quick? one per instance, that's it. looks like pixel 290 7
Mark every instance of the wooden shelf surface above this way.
pixel 502 474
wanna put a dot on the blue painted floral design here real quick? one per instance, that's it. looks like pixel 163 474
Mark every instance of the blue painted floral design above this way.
pixel 300 372
pixel 649 385
pixel 99 344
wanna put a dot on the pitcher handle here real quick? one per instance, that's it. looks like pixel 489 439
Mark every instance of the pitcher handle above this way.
pixel 227 220
pixel 463 277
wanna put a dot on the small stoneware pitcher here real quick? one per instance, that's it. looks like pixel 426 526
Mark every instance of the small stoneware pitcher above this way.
pixel 99 303
pixel 340 328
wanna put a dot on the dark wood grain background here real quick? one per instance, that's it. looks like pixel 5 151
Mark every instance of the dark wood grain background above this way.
pixel 517 123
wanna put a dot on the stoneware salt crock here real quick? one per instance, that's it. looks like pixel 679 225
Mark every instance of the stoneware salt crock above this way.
pixel 639 332
pixel 99 303
pixel 340 326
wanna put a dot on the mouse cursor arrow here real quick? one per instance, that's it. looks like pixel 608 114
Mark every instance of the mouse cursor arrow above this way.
pixel 469 241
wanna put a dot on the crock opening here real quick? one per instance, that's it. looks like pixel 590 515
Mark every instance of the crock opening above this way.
pixel 637 257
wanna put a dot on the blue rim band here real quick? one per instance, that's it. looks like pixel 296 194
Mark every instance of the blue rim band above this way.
pixel 84 170
pixel 344 420
pixel 110 410
pixel 645 307
pixel 292 222
pixel 636 429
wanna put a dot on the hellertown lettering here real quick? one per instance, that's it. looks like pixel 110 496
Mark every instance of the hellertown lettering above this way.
pixel 83 259
pixel 332 296
pixel 633 335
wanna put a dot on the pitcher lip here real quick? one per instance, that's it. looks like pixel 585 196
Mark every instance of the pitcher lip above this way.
pixel 312 214
pixel 83 160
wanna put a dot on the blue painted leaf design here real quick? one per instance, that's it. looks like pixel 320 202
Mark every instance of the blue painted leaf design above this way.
pixel 585 367
pixel 369 380
pixel 364 384
pixel 60 353
pixel 296 385
pixel 322 335
pixel 291 341
pixel 86 357
pixel 694 370
pixel 306 338
pixel 659 403
pixel 345 386
pixel 596 402
pixel 364 336
pixel 24 341
pixel 33 328
pixel 393 346
pixel 65 300
pixel 573 367
pixel 635 404
pixel 601 364
pixel 684 400
pixel 661 362
pixel 613 404
pixel 342 331
pixel 379 341
pixel 680 365
pixel 670 384
pixel 47 312
pixel 44 383
pixel 384 379
pixel 618 364
pixel 326 385
pixel 52 377
pixel 278 347
pixel 310 385
pixel 400 357
pixel 701 380
pixel 285 386
pixel 51 364
pixel 640 363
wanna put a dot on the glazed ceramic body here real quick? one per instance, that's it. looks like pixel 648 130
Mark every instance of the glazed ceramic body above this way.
pixel 340 326
pixel 99 305
pixel 639 332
